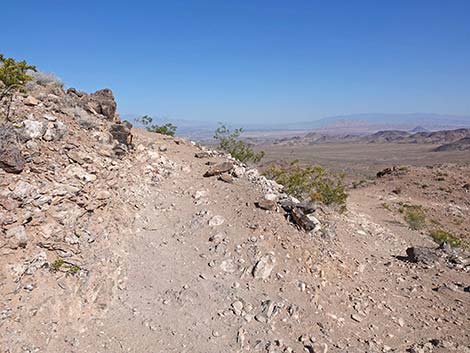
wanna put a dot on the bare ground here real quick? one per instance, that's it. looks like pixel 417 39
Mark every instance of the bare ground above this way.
pixel 359 160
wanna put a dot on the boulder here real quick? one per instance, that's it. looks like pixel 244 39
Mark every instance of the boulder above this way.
pixel 121 133
pixel 202 154
pixel 33 129
pixel 103 102
pixel 227 178
pixel 268 205
pixel 264 267
pixel 31 101
pixel 219 169
pixel 75 93
pixel 299 218
pixel 17 236
pixel 55 131
pixel 419 254
pixel 11 158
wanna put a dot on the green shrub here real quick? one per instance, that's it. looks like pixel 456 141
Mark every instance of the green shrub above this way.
pixel 166 129
pixel 386 206
pixel 312 182
pixel 57 264
pixel 13 75
pixel 414 216
pixel 229 142
pixel 61 265
pixel 441 236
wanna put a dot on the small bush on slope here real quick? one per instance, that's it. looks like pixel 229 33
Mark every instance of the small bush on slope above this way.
pixel 441 236
pixel 166 129
pixel 13 76
pixel 45 79
pixel 414 216
pixel 229 142
pixel 312 182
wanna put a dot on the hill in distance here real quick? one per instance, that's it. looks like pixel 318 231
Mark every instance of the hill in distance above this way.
pixel 354 124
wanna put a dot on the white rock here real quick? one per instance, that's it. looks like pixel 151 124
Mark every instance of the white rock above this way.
pixel 228 266
pixel 237 307
pixel 200 193
pixel 19 234
pixel 55 131
pixel 33 129
pixel 238 171
pixel 216 221
pixel 264 266
pixel 23 190
pixel 271 197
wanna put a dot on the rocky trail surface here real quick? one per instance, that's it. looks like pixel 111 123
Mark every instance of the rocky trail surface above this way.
pixel 147 243
pixel 209 272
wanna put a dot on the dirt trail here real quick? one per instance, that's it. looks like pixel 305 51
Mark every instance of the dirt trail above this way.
pixel 188 284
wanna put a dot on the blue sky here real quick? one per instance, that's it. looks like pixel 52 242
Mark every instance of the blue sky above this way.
pixel 252 60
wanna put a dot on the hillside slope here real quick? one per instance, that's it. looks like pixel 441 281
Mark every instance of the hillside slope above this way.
pixel 114 242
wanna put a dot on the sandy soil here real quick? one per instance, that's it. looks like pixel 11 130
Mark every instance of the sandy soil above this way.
pixel 363 160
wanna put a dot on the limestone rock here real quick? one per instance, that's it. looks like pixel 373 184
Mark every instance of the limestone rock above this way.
pixel 216 221
pixel 17 236
pixel 33 129
pixel 264 267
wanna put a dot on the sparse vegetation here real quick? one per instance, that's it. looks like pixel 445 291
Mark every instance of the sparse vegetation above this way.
pixel 387 206
pixel 414 216
pixel 312 182
pixel 73 269
pixel 61 265
pixel 229 141
pixel 441 236
pixel 57 264
pixel 13 75
pixel 165 129
pixel 45 79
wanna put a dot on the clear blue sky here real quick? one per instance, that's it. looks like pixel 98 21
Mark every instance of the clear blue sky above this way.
pixel 252 60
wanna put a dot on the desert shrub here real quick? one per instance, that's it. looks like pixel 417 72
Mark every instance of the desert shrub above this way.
pixel 229 141
pixel 57 264
pixel 441 236
pixel 45 79
pixel 414 216
pixel 312 182
pixel 386 206
pixel 165 129
pixel 61 265
pixel 13 75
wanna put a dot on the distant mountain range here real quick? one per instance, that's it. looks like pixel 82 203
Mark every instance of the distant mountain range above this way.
pixel 354 124
pixel 369 123
pixel 450 140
